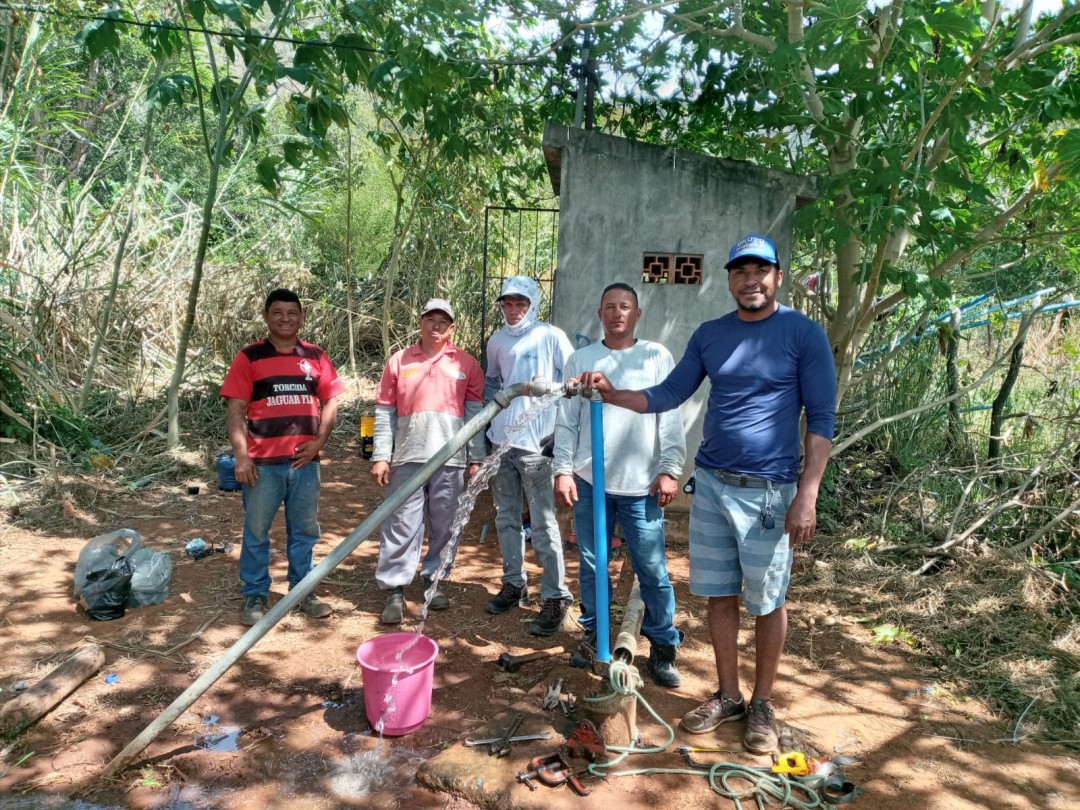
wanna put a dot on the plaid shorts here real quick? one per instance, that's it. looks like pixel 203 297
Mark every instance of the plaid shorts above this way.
pixel 730 552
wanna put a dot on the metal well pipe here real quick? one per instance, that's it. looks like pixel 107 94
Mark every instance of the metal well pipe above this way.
pixel 627 641
pixel 538 386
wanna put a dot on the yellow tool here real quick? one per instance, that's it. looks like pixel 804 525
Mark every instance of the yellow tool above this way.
pixel 793 763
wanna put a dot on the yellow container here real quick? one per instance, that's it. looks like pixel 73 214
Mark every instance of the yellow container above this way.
pixel 367 435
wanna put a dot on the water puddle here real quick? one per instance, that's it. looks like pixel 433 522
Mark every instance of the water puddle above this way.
pixel 381 780
pixel 41 802
pixel 225 739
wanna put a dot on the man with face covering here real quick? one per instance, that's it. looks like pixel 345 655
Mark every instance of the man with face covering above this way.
pixel 525 348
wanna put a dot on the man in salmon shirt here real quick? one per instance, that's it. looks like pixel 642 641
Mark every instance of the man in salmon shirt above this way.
pixel 282 398
pixel 427 393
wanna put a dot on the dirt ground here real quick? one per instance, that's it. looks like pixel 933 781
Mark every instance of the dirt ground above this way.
pixel 292 708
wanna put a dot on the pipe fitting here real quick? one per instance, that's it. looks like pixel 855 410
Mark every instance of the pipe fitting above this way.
pixel 536 387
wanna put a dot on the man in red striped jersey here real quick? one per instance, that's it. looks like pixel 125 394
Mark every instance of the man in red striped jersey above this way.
pixel 282 398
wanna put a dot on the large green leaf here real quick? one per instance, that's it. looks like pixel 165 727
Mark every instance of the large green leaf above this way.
pixel 102 34
pixel 163 38
pixel 266 171
pixel 197 8
pixel 174 89
pixel 1068 149
pixel 231 9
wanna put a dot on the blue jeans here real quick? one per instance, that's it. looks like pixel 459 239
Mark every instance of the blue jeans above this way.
pixel 299 489
pixel 642 522
pixel 521 472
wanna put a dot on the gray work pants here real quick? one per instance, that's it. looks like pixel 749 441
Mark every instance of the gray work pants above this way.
pixel 522 472
pixel 402 534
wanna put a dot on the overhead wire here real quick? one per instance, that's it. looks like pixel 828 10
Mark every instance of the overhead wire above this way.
pixel 315 43
pixel 172 26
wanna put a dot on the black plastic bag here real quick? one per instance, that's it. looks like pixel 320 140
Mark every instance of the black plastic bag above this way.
pixel 106 590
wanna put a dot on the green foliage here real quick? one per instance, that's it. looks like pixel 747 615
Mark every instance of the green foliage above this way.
pixel 102 34
pixel 175 89
pixel 889 633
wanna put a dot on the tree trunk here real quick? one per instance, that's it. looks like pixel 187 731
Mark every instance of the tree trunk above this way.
pixel 952 379
pixel 173 394
pixel 392 266
pixel 997 410
pixel 348 245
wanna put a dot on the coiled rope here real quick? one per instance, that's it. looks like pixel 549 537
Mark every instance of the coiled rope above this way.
pixel 765 789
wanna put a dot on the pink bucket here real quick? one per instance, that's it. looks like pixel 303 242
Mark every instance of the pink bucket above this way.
pixel 378 659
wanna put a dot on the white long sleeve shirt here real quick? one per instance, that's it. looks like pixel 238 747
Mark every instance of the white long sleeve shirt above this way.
pixel 543 350
pixel 637 446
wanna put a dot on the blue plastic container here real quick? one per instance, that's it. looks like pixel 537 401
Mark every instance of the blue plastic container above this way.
pixel 226 473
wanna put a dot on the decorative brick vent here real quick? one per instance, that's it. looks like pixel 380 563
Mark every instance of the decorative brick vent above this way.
pixel 671 268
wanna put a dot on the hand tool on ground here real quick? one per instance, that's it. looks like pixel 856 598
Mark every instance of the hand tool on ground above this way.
pixel 824 777
pixel 471 741
pixel 791 762
pixel 554 695
pixel 512 663
pixel 569 706
pixel 501 746
pixel 585 742
pixel 553 770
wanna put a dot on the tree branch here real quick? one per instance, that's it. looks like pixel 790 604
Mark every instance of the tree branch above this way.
pixel 1061 516
pixel 920 139
pixel 888 420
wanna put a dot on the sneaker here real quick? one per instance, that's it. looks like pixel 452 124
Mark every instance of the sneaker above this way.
pixel 439 601
pixel 761 736
pixel 311 607
pixel 719 708
pixel 254 609
pixel 551 616
pixel 509 596
pixel 395 607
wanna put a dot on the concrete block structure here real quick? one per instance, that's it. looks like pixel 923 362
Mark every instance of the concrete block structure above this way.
pixel 662 220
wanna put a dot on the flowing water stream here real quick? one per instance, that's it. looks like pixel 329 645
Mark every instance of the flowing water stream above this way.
pixel 368 772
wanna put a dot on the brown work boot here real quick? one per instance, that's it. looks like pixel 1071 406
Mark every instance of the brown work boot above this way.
pixel 761 736
pixel 719 708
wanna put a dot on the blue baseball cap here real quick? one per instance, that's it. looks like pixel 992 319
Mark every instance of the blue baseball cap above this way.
pixel 754 246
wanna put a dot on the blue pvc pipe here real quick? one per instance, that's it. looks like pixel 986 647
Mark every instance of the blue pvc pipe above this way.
pixel 600 530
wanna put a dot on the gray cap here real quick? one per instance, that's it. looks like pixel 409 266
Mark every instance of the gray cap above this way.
pixel 437 305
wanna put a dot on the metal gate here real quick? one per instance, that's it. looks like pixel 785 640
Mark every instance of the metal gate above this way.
pixel 517 242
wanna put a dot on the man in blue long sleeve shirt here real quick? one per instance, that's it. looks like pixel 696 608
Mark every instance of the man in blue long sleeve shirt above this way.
pixel 766 363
